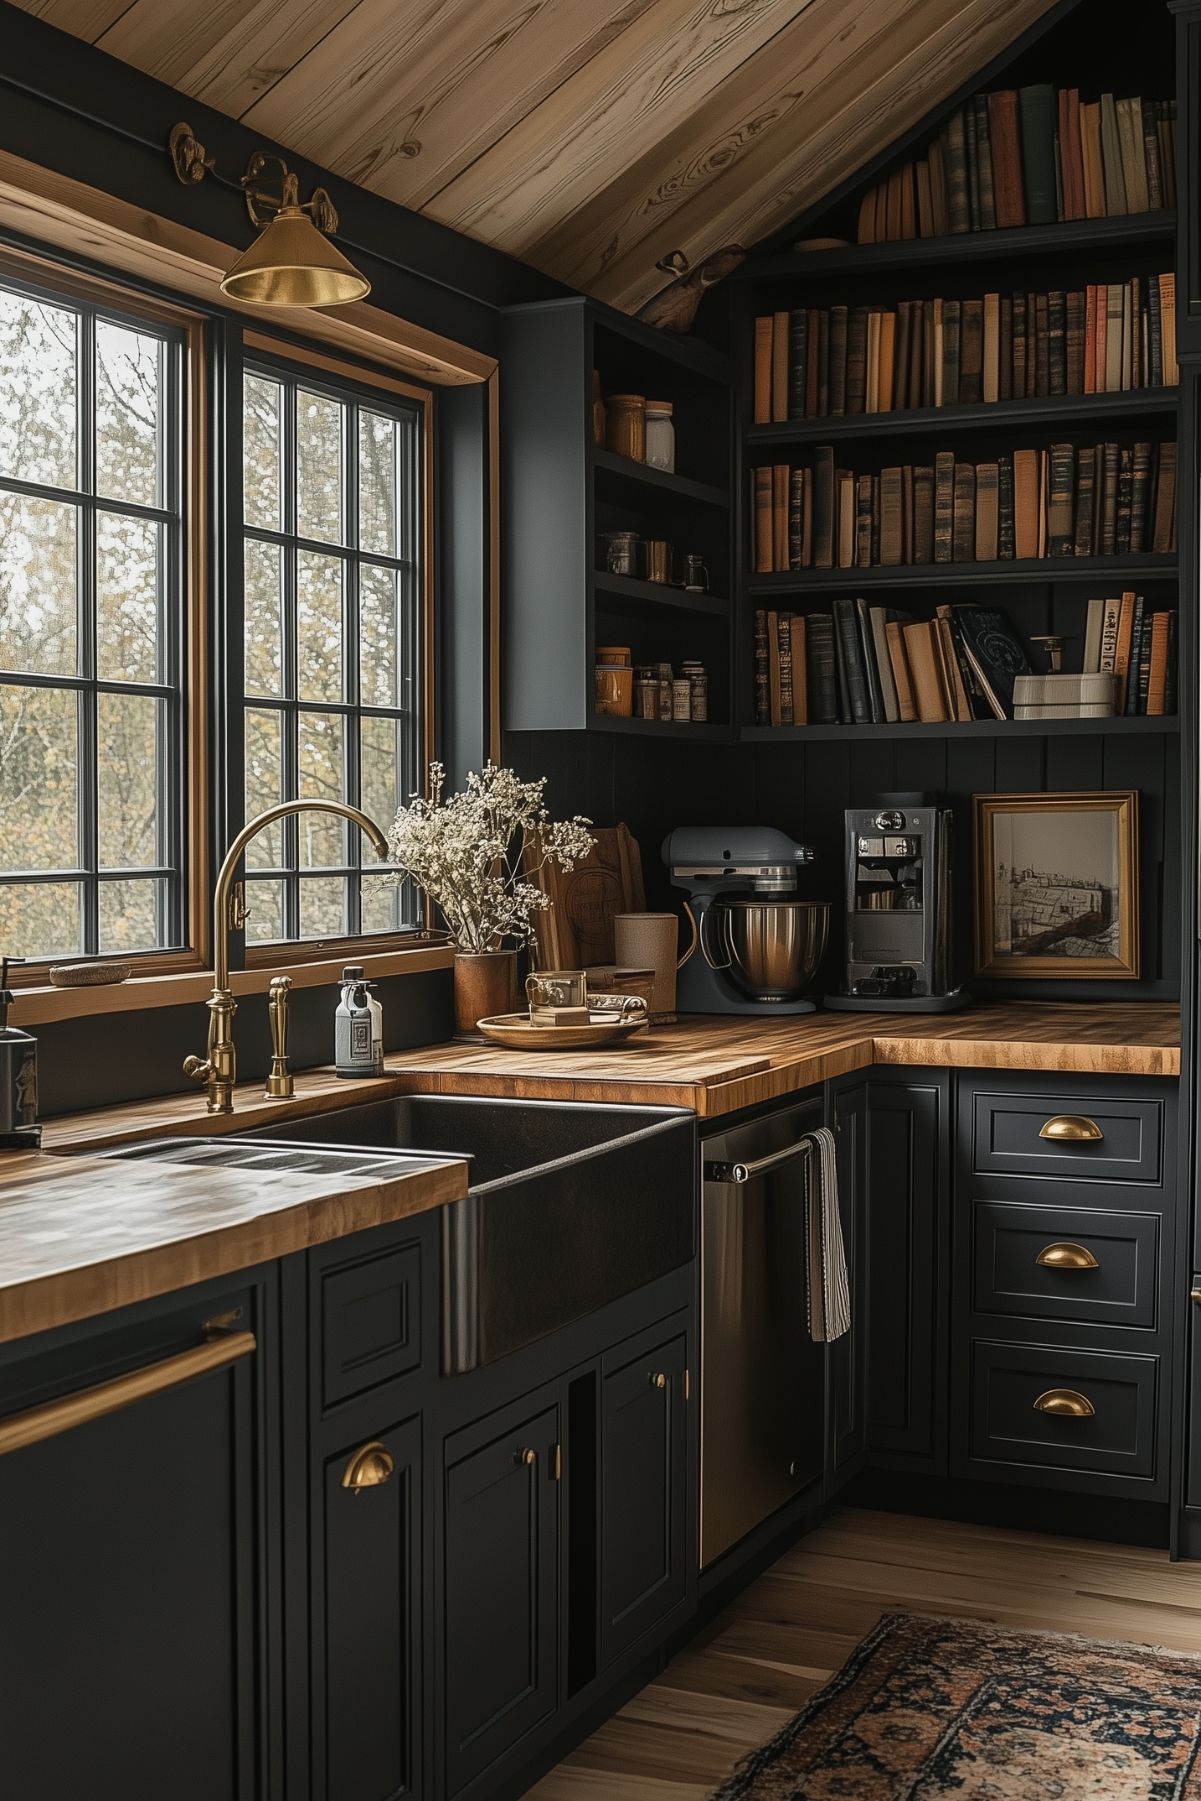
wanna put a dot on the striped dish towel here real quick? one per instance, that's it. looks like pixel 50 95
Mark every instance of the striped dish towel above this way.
pixel 826 1266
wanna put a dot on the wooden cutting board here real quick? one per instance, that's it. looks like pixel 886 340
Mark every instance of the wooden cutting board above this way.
pixel 577 929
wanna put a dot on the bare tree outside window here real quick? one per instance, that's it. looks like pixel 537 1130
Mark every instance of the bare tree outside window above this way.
pixel 91 817
pixel 331 481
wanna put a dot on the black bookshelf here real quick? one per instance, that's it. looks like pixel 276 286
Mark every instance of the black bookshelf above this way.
pixel 1113 571
pixel 1162 725
pixel 1062 412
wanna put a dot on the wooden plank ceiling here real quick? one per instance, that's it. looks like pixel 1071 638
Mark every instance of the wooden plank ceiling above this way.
pixel 588 137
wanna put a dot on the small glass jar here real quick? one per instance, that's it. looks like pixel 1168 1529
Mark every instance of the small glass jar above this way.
pixel 625 428
pixel 660 436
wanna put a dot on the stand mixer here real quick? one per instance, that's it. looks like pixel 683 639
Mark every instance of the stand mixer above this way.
pixel 755 948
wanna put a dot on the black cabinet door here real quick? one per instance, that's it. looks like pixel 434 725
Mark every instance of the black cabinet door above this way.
pixel 132 1559
pixel 643 1494
pixel 368 1706
pixel 501 1587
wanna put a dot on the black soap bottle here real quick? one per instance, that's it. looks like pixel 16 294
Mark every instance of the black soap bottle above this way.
pixel 19 1129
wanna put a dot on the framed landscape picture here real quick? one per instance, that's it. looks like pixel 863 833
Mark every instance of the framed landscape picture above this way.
pixel 1057 885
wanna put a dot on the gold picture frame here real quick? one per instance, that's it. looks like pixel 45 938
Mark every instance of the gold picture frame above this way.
pixel 1056 885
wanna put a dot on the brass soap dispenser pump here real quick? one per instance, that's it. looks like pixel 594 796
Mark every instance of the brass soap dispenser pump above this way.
pixel 19 1129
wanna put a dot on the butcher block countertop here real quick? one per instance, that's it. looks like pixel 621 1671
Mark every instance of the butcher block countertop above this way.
pixel 83 1236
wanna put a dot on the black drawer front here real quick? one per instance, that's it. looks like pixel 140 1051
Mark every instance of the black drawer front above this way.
pixel 1007 1141
pixel 1097 1267
pixel 1116 1439
pixel 370 1321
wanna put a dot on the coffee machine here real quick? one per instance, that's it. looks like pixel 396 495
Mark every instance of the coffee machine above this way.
pixel 755 947
pixel 898 909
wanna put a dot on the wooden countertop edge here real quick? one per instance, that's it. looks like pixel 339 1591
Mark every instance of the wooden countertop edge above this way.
pixel 1080 1058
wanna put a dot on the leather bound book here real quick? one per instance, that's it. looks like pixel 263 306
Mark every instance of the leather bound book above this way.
pixel 800 669
pixel 1037 110
pixel 823 679
pixel 863 522
pixel 1042 349
pixel 907 513
pixel 1167 314
pixel 908 202
pixel 923 513
pixel 1086 476
pixel 1111 157
pixel 971 351
pixel 762 670
pixel 936 159
pixel 1169 693
pixel 1101 350
pixel 1134 671
pixel 1165 112
pixel 984 169
pixel 891 517
pixel 875 519
pixel 987 499
pixel 952 674
pixel 1151 158
pixel 1005 385
pixel 878 618
pixel 846 624
pixel 807 475
pixel 1061 537
pixel 856 359
pixel 784 656
pixel 1140 495
pixel 1110 619
pixel 944 505
pixel 871 403
pixel 796 519
pixel 798 338
pixel 1057 342
pixel 938 351
pixel 812 335
pixel 893 230
pixel 1073 341
pixel 1121 655
pixel 838 359
pixel 973 171
pixel 779 367
pixel 925 207
pixel 844 493
pixel 1154 367
pixel 1044 483
pixel 963 530
pixel 1144 662
pixel 762 402
pixel 930 355
pixel 1090 338
pixel 955 164
pixel 823 364
pixel 951 313
pixel 1158 671
pixel 900 393
pixel 1021 313
pixel 917 353
pixel 1070 153
pixel 1107 542
pixel 1138 328
pixel 930 700
pixel 990 348
pixel 1134 160
pixel 779 515
pixel 871 672
pixel 763 526
pixel 773 664
pixel 887 374
pixel 1122 543
pixel 1004 131
pixel 823 507
pixel 1005 522
pixel 1163 536
pixel 902 680
pixel 1094 162
pixel 1025 504
pixel 866 233
pixel 995 651
pixel 1126 369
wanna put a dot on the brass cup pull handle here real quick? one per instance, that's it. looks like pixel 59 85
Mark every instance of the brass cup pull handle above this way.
pixel 528 1456
pixel 370 1467
pixel 1065 1403
pixel 1071 1128
pixel 1065 1255
pixel 658 1379
pixel 1194 1294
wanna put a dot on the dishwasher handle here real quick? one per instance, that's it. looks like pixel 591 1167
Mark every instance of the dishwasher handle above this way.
pixel 740 1173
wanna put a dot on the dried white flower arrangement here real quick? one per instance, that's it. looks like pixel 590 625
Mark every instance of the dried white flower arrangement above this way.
pixel 465 850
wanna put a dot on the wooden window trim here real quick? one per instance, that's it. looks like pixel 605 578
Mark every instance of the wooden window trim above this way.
pixel 96 290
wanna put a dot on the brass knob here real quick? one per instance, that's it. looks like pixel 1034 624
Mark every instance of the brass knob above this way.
pixel 370 1467
pixel 1066 1256
pixel 658 1380
pixel 1072 1128
pixel 1194 1294
pixel 1066 1403
pixel 528 1456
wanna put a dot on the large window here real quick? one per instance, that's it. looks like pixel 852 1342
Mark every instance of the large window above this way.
pixel 91 559
pixel 334 643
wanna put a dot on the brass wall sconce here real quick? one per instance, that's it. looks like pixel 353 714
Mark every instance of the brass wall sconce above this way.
pixel 291 262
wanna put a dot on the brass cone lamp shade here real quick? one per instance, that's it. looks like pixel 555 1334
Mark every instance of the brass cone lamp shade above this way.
pixel 291 263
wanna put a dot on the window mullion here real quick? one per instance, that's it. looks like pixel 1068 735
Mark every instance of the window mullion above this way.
pixel 290 665
pixel 352 639
pixel 87 710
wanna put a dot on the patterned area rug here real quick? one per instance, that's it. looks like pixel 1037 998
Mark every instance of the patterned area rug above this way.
pixel 927 1708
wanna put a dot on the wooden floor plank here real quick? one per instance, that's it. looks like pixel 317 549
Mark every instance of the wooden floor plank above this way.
pixel 790 1630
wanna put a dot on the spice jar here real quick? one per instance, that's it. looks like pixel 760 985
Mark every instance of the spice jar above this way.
pixel 625 429
pixel 614 680
pixel 620 552
pixel 699 685
pixel 646 691
pixel 681 698
pixel 660 435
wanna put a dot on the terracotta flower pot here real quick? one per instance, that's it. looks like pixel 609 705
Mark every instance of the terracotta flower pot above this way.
pixel 485 984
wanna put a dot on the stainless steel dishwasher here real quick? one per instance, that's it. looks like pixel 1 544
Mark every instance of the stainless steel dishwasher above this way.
pixel 762 1377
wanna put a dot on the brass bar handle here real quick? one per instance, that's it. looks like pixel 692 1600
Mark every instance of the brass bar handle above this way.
pixel 55 1417
pixel 1072 1128
pixel 658 1379
pixel 1065 1255
pixel 1065 1403
pixel 370 1467
pixel 528 1456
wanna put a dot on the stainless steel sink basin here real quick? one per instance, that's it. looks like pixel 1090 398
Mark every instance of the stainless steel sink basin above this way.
pixel 569 1205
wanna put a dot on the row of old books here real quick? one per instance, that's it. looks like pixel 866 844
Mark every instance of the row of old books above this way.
pixel 863 665
pixel 1030 156
pixel 1067 500
pixel 812 363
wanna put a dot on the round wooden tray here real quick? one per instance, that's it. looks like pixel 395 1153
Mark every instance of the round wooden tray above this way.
pixel 518 1033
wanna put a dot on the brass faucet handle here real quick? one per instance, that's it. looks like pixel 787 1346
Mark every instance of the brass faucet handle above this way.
pixel 197 1067
pixel 281 1085
pixel 239 912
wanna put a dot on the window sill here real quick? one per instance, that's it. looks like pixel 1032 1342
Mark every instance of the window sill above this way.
pixel 40 1006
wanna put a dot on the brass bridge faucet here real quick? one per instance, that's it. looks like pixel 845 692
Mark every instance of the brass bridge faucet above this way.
pixel 219 1070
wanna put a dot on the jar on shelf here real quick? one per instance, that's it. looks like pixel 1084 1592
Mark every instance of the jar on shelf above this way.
pixel 681 699
pixel 694 669
pixel 620 552
pixel 614 680
pixel 625 427
pixel 660 436
pixel 646 691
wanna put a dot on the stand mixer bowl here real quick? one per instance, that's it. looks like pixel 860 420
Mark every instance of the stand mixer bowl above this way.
pixel 774 946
